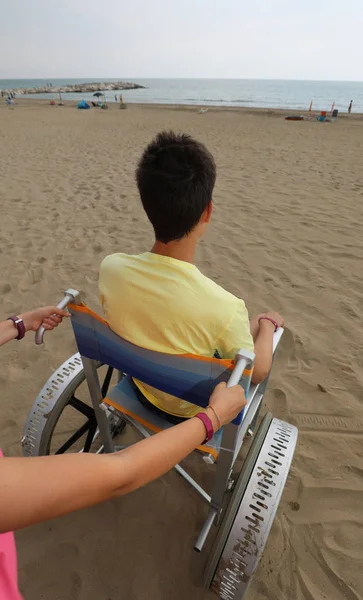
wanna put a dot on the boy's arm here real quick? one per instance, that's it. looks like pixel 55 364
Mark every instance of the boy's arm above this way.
pixel 263 331
pixel 255 327
pixel 255 335
pixel 263 351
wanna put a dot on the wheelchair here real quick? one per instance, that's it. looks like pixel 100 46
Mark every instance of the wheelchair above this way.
pixel 241 505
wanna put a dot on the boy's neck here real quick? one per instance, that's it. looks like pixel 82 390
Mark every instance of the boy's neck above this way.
pixel 183 249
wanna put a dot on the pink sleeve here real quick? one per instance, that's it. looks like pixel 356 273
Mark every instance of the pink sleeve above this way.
pixel 8 566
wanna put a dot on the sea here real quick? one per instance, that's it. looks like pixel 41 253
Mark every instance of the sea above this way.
pixel 254 93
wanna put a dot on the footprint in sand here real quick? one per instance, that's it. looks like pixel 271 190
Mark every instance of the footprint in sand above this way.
pixel 294 352
pixel 349 310
pixel 36 275
pixel 277 401
pixel 8 423
pixel 114 207
pixel 97 248
pixel 5 288
pixel 26 244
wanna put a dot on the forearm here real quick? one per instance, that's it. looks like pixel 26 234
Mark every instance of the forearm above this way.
pixel 263 351
pixel 8 332
pixel 57 485
pixel 49 317
pixel 254 327
pixel 157 455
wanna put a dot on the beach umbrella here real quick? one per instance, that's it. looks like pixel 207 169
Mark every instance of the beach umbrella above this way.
pixel 98 94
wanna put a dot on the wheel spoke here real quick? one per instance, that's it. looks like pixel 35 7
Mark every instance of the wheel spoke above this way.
pixel 90 436
pixel 83 408
pixel 75 437
pixel 81 434
pixel 106 382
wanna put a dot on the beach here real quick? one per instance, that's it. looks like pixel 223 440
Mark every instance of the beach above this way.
pixel 286 234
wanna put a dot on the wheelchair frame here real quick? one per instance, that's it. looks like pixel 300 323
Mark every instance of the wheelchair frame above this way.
pixel 245 523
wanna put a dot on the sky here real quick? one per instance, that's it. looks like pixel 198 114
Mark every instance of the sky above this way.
pixel 262 39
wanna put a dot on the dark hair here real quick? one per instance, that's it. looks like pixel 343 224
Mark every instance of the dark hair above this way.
pixel 175 176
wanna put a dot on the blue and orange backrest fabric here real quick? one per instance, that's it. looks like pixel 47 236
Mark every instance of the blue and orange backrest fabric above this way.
pixel 188 377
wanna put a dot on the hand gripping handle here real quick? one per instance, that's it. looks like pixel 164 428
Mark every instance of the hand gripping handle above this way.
pixel 69 296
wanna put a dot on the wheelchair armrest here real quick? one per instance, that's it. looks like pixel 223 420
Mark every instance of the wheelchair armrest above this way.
pixel 244 360
pixel 276 339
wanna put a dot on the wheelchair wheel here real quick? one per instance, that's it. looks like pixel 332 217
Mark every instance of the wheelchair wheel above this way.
pixel 62 418
pixel 250 513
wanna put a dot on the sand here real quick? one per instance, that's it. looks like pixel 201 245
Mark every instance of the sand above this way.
pixel 286 234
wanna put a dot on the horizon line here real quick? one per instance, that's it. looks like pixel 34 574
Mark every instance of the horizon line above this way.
pixel 134 79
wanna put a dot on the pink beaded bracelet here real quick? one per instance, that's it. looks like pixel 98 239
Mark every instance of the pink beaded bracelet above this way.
pixel 271 321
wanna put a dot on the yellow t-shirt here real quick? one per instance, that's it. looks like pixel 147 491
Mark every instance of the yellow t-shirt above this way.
pixel 167 305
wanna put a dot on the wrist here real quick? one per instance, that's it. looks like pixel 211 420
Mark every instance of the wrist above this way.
pixel 214 418
pixel 201 429
pixel 267 324
pixel 26 321
pixel 18 326
pixel 11 330
pixel 204 417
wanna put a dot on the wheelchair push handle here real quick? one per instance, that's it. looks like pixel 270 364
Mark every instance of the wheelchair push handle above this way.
pixel 244 359
pixel 69 296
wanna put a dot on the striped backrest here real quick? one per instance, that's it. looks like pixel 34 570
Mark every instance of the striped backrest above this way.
pixel 188 377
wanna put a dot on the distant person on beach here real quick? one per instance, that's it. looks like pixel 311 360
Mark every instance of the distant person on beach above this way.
pixel 115 97
pixel 41 488
pixel 167 304
pixel 350 106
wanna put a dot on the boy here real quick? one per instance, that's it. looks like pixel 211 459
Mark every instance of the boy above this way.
pixel 160 300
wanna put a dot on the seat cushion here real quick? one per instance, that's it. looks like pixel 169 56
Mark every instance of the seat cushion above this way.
pixel 123 398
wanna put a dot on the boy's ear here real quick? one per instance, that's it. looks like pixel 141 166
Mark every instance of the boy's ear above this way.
pixel 208 212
